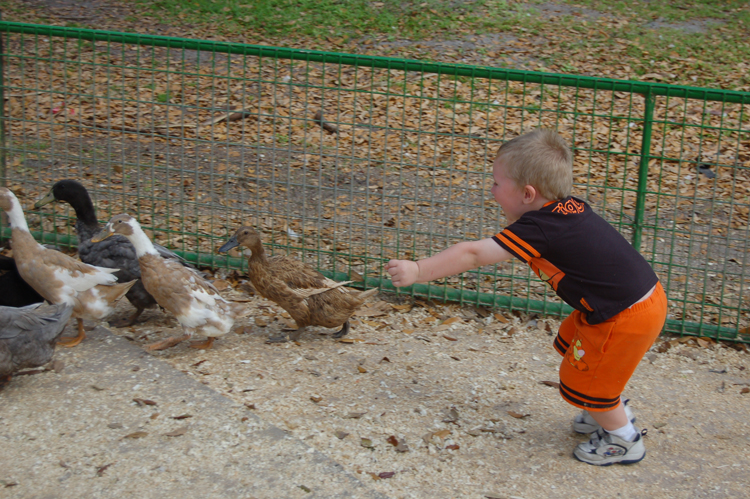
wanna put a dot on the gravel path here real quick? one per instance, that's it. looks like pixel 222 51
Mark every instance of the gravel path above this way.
pixel 427 401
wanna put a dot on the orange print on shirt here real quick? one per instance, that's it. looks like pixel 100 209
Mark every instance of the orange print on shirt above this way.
pixel 569 207
pixel 546 271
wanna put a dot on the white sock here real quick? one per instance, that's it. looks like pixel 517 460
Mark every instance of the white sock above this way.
pixel 627 432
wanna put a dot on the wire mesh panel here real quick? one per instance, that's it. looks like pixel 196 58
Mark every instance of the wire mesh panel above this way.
pixel 347 161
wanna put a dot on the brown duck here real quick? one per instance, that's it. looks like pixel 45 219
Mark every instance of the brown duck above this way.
pixel 308 296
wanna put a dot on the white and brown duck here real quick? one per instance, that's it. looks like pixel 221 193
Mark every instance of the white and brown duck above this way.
pixel 91 291
pixel 310 298
pixel 195 302
pixel 116 252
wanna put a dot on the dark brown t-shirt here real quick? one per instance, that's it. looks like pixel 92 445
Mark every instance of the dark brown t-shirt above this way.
pixel 583 258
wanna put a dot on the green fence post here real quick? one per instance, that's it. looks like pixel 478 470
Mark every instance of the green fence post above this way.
pixel 3 217
pixel 2 112
pixel 640 202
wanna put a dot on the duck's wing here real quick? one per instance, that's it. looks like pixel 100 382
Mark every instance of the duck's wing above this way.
pixel 78 275
pixel 170 255
pixel 115 252
pixel 33 318
pixel 302 280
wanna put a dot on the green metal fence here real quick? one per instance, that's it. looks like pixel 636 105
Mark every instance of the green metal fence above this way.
pixel 348 160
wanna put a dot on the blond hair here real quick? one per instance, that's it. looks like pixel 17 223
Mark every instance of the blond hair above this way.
pixel 541 159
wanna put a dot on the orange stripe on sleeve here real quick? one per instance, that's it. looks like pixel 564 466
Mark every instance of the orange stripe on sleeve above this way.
pixel 521 253
pixel 523 243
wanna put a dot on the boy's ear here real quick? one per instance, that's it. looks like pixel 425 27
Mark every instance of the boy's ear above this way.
pixel 529 194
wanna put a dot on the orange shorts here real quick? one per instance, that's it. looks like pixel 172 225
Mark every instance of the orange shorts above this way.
pixel 599 359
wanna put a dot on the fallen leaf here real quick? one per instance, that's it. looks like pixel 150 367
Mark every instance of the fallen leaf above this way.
pixel 177 433
pixel 442 434
pixel 450 338
pixel 452 447
pixel 392 440
pixel 101 470
pixel 403 308
pixel 316 399
pixel 355 415
pixel 142 402
pixel 452 320
pixel 361 369
pixel 451 415
pixel 745 390
pixel 183 416
pixel 137 434
pixel 518 415
pixel 366 442
pixel 341 435
pixel 500 317
pixel 115 426
pixel 554 384
pixel 221 284
pixel 386 474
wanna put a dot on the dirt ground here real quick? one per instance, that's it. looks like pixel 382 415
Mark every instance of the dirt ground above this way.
pixel 433 400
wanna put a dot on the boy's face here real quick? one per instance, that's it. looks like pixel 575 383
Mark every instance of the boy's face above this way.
pixel 507 193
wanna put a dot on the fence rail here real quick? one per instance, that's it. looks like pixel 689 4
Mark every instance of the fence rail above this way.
pixel 348 160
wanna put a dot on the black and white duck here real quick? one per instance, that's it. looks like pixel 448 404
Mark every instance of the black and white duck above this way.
pixel 115 252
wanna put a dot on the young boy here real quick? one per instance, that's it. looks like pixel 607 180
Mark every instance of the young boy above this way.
pixel 620 307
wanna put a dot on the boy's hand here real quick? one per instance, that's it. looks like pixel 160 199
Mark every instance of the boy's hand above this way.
pixel 403 272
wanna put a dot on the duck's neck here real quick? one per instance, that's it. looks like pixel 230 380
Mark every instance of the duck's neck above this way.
pixel 84 209
pixel 256 253
pixel 16 218
pixel 141 242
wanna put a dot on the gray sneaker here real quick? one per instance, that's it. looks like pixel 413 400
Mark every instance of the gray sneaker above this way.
pixel 604 449
pixel 584 423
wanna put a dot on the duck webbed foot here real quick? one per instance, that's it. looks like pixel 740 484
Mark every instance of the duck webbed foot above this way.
pixel 71 341
pixel 343 331
pixel 127 321
pixel 203 345
pixel 168 343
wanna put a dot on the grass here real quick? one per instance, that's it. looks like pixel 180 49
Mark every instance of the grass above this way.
pixel 654 40
pixel 323 18
pixel 619 38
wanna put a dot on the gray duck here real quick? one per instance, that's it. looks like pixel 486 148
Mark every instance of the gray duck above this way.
pixel 115 253
pixel 28 336
pixel 307 295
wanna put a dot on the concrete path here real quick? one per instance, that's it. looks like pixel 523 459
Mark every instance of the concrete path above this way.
pixel 115 422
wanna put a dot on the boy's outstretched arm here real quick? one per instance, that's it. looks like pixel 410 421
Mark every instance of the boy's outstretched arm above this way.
pixel 454 260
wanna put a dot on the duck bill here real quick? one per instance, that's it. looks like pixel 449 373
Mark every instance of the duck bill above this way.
pixel 232 243
pixel 49 198
pixel 102 234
